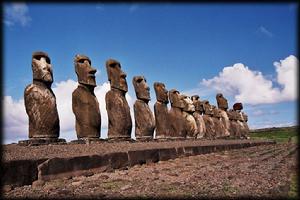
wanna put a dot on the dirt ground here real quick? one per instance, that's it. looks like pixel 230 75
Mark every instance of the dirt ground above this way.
pixel 260 171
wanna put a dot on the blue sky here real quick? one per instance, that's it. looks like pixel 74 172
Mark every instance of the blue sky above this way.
pixel 178 44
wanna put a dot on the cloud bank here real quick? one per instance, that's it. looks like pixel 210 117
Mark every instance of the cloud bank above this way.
pixel 16 13
pixel 16 119
pixel 252 87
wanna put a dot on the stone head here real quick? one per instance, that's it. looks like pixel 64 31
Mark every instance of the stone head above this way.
pixel 41 67
pixel 188 104
pixel 197 103
pixel 141 88
pixel 230 114
pixel 207 108
pixel 161 92
pixel 85 72
pixel 216 111
pixel 238 106
pixel 222 102
pixel 245 116
pixel 176 99
pixel 116 76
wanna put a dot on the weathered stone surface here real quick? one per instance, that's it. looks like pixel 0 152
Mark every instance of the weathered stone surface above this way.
pixel 238 106
pixel 88 140
pixel 222 102
pixel 84 102
pixel 161 111
pixel 223 106
pixel 190 124
pixel 176 119
pixel 41 141
pixel 168 153
pixel 207 117
pixel 24 172
pixel 40 101
pixel 143 156
pixel 119 160
pixel 118 111
pixel 62 167
pixel 198 116
pixel 245 117
pixel 244 129
pixel 20 172
pixel 234 126
pixel 218 124
pixel 144 119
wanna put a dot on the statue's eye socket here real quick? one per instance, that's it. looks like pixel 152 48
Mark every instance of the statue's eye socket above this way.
pixel 48 60
pixel 113 65
pixel 83 60
pixel 139 80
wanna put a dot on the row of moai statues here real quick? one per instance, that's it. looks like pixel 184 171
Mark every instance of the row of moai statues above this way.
pixel 188 117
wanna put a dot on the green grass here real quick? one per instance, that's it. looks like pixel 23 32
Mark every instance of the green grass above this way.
pixel 293 192
pixel 279 134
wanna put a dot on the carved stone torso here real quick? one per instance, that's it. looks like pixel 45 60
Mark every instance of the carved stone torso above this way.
pixel 218 127
pixel 177 129
pixel 200 124
pixel 40 104
pixel 226 122
pixel 87 113
pixel 209 124
pixel 118 111
pixel 144 120
pixel 190 125
pixel 234 126
pixel 161 120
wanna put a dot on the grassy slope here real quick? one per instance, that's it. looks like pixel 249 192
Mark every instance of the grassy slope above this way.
pixel 278 134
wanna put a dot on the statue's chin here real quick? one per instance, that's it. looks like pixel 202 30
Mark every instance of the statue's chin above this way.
pixel 47 78
pixel 89 82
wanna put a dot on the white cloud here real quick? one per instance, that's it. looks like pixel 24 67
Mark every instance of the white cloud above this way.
pixel 133 8
pixel 16 13
pixel 259 112
pixel 252 87
pixel 99 6
pixel 287 76
pixel 16 119
pixel 263 30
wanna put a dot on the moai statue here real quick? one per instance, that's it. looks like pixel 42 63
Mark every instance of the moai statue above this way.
pixel 234 126
pixel 177 129
pixel 161 111
pixel 237 107
pixel 40 103
pixel 85 105
pixel 199 110
pixel 118 111
pixel 246 127
pixel 144 119
pixel 209 123
pixel 223 106
pixel 190 124
pixel 245 117
pixel 218 124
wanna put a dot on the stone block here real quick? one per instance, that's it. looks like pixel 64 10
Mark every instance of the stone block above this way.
pixel 20 172
pixel 166 154
pixel 143 156
pixel 119 160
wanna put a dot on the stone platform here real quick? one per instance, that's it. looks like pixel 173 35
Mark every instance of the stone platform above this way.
pixel 23 165
pixel 41 141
